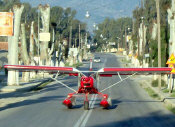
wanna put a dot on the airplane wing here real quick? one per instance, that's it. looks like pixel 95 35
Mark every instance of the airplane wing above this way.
pixel 108 72
pixel 66 70
pixel 129 71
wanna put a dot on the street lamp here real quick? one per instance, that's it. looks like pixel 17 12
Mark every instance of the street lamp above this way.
pixel 87 14
pixel 94 25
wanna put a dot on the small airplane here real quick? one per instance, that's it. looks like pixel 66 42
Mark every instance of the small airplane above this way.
pixel 86 80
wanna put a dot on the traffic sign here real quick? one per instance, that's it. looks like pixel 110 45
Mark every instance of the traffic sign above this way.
pixel 171 65
pixel 171 60
pixel 173 71
pixel 6 24
pixel 111 43
pixel 44 36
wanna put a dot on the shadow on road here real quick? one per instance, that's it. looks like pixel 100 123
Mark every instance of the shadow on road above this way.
pixel 53 87
pixel 155 119
pixel 32 101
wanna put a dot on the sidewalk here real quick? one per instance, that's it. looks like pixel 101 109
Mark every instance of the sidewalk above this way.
pixel 23 86
pixel 146 81
pixel 15 94
pixel 165 97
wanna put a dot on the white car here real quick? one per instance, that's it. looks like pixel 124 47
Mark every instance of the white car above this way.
pixel 97 59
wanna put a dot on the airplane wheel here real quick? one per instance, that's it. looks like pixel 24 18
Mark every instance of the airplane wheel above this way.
pixel 69 107
pixel 86 105
pixel 109 101
pixel 73 99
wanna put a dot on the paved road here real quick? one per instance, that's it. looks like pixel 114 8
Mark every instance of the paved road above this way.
pixel 132 107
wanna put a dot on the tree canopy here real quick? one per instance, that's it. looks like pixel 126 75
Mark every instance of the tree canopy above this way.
pixel 110 30
pixel 61 18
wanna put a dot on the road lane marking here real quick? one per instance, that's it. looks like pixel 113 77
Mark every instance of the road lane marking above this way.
pixel 89 113
pixel 84 117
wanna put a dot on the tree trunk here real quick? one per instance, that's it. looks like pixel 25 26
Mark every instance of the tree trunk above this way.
pixel 32 43
pixel 45 19
pixel 13 76
pixel 159 40
pixel 24 53
pixel 53 44
pixel 171 21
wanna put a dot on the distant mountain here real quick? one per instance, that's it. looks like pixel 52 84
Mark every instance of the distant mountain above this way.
pixel 98 9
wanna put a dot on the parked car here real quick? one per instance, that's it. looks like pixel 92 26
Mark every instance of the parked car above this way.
pixel 97 59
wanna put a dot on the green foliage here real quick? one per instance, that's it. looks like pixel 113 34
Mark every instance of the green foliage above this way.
pixel 61 18
pixel 148 11
pixel 42 85
pixel 164 48
pixel 135 41
pixel 172 94
pixel 155 83
pixel 6 5
pixel 152 93
pixel 110 30
pixel 165 90
pixel 171 108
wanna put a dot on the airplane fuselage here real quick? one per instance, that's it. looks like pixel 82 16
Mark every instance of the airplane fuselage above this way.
pixel 87 85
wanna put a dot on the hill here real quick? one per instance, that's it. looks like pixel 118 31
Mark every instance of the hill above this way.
pixel 98 9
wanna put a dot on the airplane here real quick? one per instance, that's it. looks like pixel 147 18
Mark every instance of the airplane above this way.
pixel 86 80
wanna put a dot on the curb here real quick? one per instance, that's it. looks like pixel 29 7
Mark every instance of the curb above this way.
pixel 165 99
pixel 28 87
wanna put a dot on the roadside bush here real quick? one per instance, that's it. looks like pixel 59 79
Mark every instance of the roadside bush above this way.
pixel 155 83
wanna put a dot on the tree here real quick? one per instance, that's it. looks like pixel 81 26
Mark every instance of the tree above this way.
pixel 24 53
pixel 148 11
pixel 110 30
pixel 45 16
pixel 13 45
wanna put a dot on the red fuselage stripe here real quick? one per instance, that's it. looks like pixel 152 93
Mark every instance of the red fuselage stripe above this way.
pixel 37 68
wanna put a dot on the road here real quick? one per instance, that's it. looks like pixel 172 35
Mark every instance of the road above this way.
pixel 132 107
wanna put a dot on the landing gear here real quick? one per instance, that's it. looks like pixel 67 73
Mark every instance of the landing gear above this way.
pixel 69 106
pixel 86 105
pixel 106 102
pixel 109 101
pixel 73 100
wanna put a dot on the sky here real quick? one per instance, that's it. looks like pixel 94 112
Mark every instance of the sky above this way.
pixel 98 9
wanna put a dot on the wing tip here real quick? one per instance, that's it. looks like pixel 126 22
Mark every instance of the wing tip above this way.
pixel 101 70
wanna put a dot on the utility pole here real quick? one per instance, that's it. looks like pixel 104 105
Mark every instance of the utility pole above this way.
pixel 79 38
pixel 70 37
pixel 159 40
pixel 81 41
pixel 138 44
pixel 133 27
pixel 143 38
pixel 125 41
pixel 143 41
pixel 121 38
pixel 38 34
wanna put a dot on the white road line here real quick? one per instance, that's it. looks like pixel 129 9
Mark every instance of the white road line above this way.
pixel 89 113
pixel 80 119
pixel 84 117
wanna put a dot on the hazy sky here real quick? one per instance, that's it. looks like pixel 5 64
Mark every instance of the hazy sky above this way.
pixel 98 9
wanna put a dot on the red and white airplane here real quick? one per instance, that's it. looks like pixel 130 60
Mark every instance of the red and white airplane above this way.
pixel 86 85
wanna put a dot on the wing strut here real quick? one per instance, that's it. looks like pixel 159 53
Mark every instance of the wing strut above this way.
pixel 117 82
pixel 63 84
pixel 119 76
